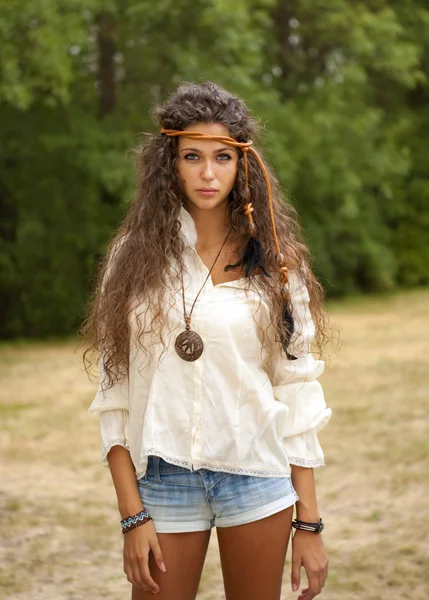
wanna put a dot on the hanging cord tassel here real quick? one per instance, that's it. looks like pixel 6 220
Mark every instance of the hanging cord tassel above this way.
pixel 253 254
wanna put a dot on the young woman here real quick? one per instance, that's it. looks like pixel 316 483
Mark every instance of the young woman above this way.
pixel 208 397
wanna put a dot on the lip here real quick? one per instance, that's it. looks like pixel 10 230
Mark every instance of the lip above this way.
pixel 207 192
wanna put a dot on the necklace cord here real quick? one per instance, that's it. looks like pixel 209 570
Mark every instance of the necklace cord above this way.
pixel 188 317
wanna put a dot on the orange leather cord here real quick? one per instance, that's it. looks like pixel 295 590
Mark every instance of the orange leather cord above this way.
pixel 245 147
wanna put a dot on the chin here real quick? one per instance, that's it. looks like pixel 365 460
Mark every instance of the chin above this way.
pixel 208 204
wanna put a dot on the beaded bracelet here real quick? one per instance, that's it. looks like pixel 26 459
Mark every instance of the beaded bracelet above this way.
pixel 135 521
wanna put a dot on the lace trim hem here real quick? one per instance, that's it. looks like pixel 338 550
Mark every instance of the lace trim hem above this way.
pixel 240 471
pixel 202 465
pixel 310 464
pixel 107 449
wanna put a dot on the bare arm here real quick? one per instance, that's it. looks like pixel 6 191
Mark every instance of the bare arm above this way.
pixel 303 482
pixel 124 480
pixel 307 547
pixel 139 541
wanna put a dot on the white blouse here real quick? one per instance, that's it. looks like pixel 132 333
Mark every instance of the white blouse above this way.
pixel 237 408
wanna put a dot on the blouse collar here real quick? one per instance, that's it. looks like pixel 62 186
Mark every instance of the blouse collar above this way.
pixel 190 237
pixel 189 231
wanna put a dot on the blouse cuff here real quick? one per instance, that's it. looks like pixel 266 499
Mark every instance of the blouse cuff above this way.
pixel 306 407
pixel 304 450
pixel 113 431
pixel 307 415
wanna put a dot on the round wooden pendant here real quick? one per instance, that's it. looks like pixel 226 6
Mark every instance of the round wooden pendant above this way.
pixel 189 345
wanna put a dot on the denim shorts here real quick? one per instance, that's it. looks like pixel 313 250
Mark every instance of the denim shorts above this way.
pixel 181 500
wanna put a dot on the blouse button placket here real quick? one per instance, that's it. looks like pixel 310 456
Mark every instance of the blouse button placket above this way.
pixel 199 316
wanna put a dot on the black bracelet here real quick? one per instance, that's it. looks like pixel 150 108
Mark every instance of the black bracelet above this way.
pixel 304 526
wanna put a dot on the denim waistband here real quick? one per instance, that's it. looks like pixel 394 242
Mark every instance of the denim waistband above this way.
pixel 156 464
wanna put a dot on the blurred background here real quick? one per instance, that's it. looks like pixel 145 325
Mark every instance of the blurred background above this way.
pixel 341 90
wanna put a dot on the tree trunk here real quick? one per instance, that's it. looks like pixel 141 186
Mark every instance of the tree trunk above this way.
pixel 8 229
pixel 106 64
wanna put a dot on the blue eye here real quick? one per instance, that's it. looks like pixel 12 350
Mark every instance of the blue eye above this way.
pixel 225 157
pixel 191 154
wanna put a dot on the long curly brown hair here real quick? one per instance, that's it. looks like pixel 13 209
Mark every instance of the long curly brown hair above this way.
pixel 139 257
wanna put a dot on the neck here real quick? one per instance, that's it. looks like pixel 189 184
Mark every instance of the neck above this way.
pixel 212 225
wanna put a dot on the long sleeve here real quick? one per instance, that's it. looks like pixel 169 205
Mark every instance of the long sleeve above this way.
pixel 295 384
pixel 112 406
pixel 113 431
pixel 117 396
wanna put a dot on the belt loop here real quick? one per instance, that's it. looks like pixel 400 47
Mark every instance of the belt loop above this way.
pixel 156 469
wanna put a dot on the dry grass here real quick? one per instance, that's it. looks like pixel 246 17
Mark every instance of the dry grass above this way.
pixel 59 535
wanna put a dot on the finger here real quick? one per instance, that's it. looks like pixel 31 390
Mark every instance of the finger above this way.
pixel 295 573
pixel 320 579
pixel 130 572
pixel 147 578
pixel 313 584
pixel 323 576
pixel 309 595
pixel 131 576
pixel 157 554
pixel 137 578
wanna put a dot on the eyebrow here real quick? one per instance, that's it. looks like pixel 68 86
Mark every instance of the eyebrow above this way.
pixel 215 152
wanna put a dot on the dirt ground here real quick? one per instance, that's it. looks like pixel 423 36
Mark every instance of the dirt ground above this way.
pixel 59 535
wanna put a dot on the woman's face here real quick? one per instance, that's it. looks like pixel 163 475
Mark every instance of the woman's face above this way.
pixel 207 168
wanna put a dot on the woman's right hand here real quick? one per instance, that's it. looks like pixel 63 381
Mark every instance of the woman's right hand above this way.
pixel 137 544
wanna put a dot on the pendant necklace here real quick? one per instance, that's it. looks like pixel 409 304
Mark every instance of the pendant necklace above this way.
pixel 189 344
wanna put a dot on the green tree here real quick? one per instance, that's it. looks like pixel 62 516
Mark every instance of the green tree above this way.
pixel 341 90
pixel 343 72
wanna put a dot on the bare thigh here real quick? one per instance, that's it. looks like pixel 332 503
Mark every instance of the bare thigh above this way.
pixel 184 555
pixel 253 557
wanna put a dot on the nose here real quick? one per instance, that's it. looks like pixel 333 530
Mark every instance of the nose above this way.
pixel 207 172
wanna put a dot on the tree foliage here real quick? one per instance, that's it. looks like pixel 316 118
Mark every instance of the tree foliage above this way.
pixel 341 90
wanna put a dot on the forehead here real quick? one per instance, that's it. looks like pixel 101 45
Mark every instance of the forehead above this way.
pixel 208 145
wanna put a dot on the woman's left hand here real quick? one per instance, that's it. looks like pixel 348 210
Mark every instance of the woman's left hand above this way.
pixel 308 551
